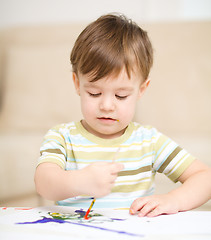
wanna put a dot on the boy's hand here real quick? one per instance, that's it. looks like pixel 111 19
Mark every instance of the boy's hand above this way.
pixel 154 205
pixel 99 178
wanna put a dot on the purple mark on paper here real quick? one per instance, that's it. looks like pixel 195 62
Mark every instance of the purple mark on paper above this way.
pixel 62 219
pixel 46 220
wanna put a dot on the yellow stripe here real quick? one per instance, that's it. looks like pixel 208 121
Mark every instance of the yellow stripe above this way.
pixel 177 163
pixel 177 173
pixel 121 208
pixel 133 180
pixel 51 160
pixel 106 156
pixel 99 146
pixel 132 187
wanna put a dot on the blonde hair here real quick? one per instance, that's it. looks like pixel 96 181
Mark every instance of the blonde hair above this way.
pixel 110 43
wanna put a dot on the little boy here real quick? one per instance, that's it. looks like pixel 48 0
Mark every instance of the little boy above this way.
pixel 106 155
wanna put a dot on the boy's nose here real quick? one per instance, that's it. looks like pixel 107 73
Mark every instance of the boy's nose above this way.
pixel 107 104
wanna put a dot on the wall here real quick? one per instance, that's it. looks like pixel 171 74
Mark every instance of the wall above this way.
pixel 26 12
pixel 35 47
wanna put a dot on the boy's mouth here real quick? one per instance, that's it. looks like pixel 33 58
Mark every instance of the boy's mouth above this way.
pixel 107 119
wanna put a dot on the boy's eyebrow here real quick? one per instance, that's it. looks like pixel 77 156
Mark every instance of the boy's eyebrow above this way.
pixel 125 89
pixel 92 85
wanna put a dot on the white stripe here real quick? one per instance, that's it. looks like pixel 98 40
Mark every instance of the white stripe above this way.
pixel 126 148
pixel 175 162
pixel 53 133
pixel 164 154
pixel 43 157
pixel 53 146
pixel 136 164
pixel 133 181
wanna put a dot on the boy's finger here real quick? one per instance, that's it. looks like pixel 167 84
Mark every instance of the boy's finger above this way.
pixel 155 212
pixel 137 205
pixel 147 208
pixel 116 167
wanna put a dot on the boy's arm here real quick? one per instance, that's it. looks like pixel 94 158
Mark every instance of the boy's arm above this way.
pixel 194 191
pixel 54 183
pixel 196 186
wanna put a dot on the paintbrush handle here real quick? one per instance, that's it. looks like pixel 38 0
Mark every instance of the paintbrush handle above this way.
pixel 90 207
pixel 115 155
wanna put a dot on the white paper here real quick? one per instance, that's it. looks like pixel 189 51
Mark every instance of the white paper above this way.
pixel 112 224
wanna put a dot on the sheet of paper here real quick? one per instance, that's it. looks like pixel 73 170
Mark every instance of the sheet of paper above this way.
pixel 68 223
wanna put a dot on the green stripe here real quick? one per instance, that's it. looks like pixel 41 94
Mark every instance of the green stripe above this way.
pixel 169 159
pixel 133 180
pixel 56 151
pixel 132 187
pixel 136 171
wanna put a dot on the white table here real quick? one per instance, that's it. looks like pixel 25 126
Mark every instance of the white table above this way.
pixel 62 223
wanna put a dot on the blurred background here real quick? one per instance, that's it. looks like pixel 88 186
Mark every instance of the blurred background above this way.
pixel 29 12
pixel 36 90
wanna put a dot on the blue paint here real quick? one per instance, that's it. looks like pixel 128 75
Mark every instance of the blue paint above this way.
pixel 46 220
pixel 117 219
pixel 81 212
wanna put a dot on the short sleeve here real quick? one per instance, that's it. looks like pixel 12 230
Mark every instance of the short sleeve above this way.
pixel 170 158
pixel 53 148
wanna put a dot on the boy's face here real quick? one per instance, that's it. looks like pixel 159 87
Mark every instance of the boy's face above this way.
pixel 108 105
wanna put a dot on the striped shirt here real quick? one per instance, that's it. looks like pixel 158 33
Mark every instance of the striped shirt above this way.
pixel 143 151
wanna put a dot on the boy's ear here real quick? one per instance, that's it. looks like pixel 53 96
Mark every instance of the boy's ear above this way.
pixel 143 87
pixel 76 83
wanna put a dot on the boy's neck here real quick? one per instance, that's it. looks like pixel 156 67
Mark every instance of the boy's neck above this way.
pixel 101 135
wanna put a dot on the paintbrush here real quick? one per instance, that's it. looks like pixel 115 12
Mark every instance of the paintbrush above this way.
pixel 90 207
pixel 93 201
pixel 115 155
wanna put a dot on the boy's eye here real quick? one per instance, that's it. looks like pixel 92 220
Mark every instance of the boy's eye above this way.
pixel 121 97
pixel 94 94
